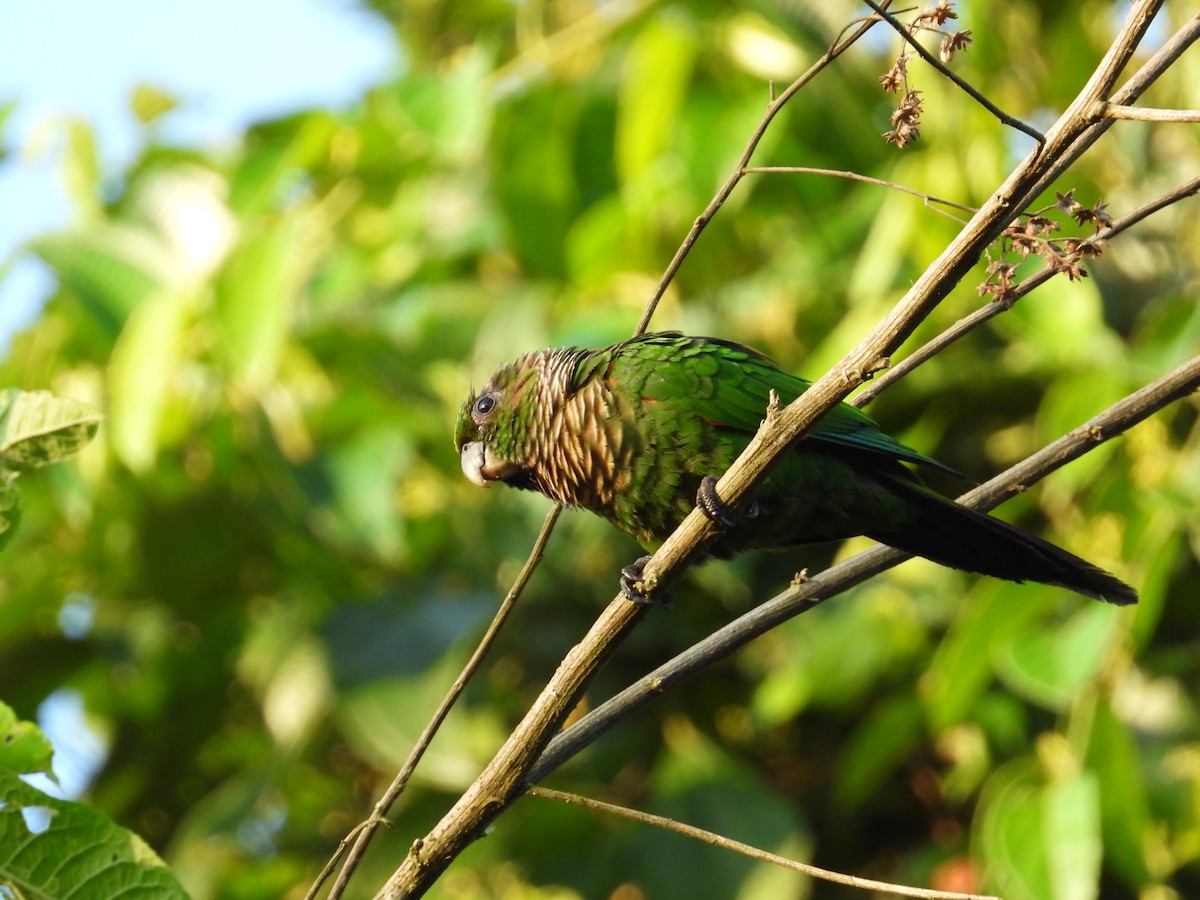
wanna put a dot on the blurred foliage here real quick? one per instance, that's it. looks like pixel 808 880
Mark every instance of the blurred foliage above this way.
pixel 259 580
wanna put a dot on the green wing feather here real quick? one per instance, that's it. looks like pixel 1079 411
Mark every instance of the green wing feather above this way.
pixel 730 386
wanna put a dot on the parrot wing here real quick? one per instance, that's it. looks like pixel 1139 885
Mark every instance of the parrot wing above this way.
pixel 729 385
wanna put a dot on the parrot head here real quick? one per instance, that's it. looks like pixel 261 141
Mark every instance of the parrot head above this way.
pixel 496 426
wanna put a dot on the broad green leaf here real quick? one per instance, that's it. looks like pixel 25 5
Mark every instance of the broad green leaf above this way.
pixel 255 294
pixel 702 784
pixel 1010 833
pixel 1051 666
pixel 140 375
pixel 23 748
pixel 111 267
pixel 1071 813
pixel 1040 840
pixel 654 82
pixel 51 848
pixel 536 187
pixel 38 428
pixel 1124 811
pixel 876 749
pixel 446 107
pixel 963 666
pixel 273 155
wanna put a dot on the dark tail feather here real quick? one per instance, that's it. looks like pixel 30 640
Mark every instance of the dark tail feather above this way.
pixel 965 539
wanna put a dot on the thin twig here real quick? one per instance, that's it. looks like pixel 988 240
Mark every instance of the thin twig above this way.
pixel 983 101
pixel 929 199
pixel 739 170
pixel 799 598
pixel 988 311
pixel 1148 113
pixel 751 851
pixel 364 831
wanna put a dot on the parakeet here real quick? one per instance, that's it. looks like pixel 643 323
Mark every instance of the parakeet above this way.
pixel 636 431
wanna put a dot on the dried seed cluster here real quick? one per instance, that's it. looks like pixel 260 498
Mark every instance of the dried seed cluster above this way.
pixel 906 117
pixel 1030 236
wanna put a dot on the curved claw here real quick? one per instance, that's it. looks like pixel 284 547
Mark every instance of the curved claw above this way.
pixel 631 579
pixel 709 502
pixel 724 516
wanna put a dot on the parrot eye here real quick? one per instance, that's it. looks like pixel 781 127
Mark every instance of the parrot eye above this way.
pixel 485 404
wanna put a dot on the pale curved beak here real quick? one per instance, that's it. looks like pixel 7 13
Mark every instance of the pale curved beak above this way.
pixel 473 461
pixel 479 469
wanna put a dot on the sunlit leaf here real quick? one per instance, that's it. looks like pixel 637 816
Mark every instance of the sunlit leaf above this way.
pixel 111 267
pixel 1124 812
pixel 140 378
pixel 55 848
pixel 654 82
pixel 1051 666
pixel 1071 811
pixel 963 665
pixel 149 102
pixel 255 295
pixel 24 749
pixel 81 166
pixel 38 428
pixel 1039 838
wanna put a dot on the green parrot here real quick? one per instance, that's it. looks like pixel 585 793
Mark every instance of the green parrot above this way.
pixel 639 432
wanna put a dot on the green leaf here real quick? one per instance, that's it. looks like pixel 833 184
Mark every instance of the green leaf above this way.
pixel 876 749
pixel 656 77
pixel 23 747
pixel 700 783
pixel 1051 666
pixel 365 472
pixel 1011 833
pixel 1071 812
pixel 6 111
pixel 81 166
pixel 1041 841
pixel 10 508
pixel 140 374
pixel 1124 811
pixel 79 852
pixel 149 103
pixel 38 428
pixel 963 666
pixel 254 302
pixel 111 267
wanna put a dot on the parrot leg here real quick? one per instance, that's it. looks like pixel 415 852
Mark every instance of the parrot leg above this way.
pixel 631 575
pixel 717 510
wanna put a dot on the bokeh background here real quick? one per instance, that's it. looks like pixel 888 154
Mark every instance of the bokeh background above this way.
pixel 276 244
